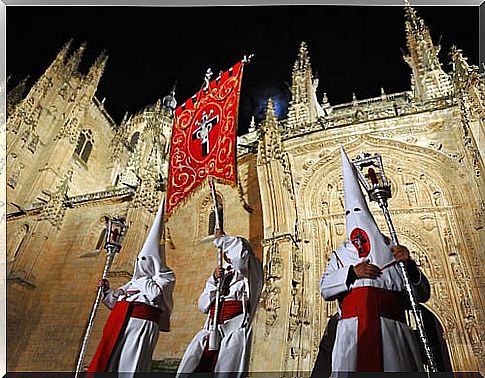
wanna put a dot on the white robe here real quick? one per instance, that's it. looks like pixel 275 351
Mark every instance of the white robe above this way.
pixel 400 348
pixel 246 284
pixel 134 348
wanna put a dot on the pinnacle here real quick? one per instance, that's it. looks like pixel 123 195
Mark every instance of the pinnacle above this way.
pixel 270 111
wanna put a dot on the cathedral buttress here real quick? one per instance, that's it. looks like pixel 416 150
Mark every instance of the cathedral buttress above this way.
pixel 469 87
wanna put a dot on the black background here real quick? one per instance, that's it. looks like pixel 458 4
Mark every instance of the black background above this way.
pixel 353 49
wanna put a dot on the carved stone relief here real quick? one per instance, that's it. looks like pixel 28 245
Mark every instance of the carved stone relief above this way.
pixel 270 295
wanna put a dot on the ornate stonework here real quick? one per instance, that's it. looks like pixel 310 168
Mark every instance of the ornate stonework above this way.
pixel 288 203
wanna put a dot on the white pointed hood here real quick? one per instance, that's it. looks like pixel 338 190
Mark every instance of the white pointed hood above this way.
pixel 151 259
pixel 363 234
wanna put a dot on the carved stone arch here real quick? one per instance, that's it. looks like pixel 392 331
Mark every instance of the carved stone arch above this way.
pixel 320 189
pixel 330 164
pixel 204 209
pixel 63 90
pixel 430 159
pixel 134 139
pixel 94 130
pixel 320 181
pixel 143 147
pixel 318 178
pixel 18 240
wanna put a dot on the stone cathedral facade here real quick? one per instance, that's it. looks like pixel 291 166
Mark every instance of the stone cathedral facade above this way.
pixel 69 166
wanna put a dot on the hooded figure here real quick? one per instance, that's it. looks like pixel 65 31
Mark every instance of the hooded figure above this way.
pixel 242 282
pixel 362 230
pixel 140 309
pixel 372 334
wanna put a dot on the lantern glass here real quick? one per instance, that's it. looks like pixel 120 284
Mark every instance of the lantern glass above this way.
pixel 370 171
pixel 116 230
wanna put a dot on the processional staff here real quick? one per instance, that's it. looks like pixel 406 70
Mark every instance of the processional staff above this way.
pixel 379 190
pixel 115 232
pixel 214 336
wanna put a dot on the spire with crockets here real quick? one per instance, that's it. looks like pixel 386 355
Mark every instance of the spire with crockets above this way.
pixel 428 80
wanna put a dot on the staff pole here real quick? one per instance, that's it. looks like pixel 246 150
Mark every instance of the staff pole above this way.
pixel 115 230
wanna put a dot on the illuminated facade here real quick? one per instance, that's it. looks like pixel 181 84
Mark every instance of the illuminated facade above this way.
pixel 70 166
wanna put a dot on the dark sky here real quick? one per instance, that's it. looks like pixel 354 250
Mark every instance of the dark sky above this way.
pixel 352 48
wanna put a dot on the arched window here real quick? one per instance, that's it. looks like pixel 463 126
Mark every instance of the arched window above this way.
pixel 101 240
pixel 84 145
pixel 134 140
pixel 22 235
pixel 16 247
pixel 212 219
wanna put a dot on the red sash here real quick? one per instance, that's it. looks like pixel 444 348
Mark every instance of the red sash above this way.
pixel 229 310
pixel 369 304
pixel 115 325
pixel 144 311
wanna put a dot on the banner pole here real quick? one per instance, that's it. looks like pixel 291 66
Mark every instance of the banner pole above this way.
pixel 214 336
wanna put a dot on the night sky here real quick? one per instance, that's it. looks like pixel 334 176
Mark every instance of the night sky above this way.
pixel 352 48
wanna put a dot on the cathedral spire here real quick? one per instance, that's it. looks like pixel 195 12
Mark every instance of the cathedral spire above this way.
pixel 74 60
pixel 169 101
pixel 51 72
pixel 461 68
pixel 97 69
pixel 304 107
pixel 252 125
pixel 411 17
pixel 428 78
pixel 270 142
pixel 29 107
pixel 83 96
pixel 16 94
pixel 270 121
pixel 60 58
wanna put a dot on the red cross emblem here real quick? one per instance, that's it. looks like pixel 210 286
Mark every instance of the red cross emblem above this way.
pixel 204 132
pixel 361 241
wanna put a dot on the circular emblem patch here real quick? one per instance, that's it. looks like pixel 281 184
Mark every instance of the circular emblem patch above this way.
pixel 361 241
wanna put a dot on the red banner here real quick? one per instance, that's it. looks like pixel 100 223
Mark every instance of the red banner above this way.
pixel 203 140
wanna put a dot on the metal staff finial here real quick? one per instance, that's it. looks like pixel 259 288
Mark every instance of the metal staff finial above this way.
pixel 247 58
pixel 379 190
pixel 207 78
pixel 115 232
